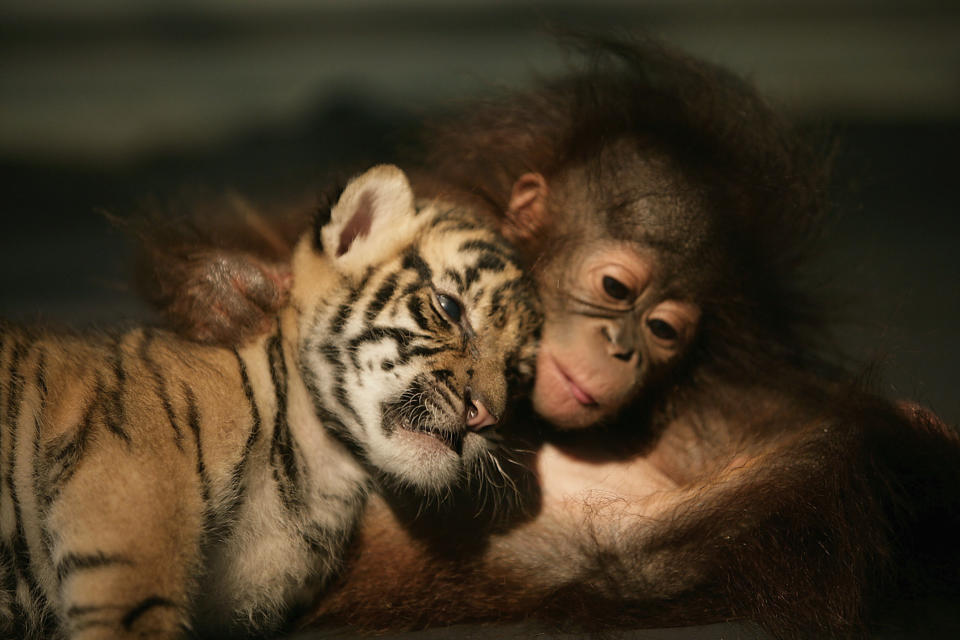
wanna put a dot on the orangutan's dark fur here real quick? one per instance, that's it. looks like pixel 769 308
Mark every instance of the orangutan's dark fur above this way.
pixel 843 502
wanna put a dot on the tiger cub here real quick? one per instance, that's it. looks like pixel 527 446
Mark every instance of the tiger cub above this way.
pixel 155 487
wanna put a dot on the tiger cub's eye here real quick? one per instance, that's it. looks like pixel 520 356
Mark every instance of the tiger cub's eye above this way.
pixel 451 306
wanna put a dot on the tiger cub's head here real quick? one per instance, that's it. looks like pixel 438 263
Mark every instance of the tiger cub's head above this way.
pixel 415 325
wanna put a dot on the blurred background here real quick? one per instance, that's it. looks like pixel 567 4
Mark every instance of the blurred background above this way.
pixel 107 103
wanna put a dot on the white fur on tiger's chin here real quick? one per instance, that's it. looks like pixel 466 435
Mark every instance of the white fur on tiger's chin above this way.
pixel 422 460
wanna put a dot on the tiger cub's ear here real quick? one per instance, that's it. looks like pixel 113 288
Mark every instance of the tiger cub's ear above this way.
pixel 373 219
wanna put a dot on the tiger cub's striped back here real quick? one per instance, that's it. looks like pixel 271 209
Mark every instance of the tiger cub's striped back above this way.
pixel 149 486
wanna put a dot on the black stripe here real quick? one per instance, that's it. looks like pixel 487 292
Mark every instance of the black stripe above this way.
pixel 72 562
pixel 477 296
pixel 82 610
pixel 343 502
pixel 340 319
pixel 143 607
pixel 21 551
pixel 343 311
pixel 383 294
pixel 283 454
pixel 442 375
pixel 36 454
pixel 335 427
pixel 159 386
pixel 103 620
pixel 10 575
pixel 14 388
pixel 66 453
pixel 238 475
pixel 470 276
pixel 331 421
pixel 422 352
pixel 330 353
pixel 415 307
pixel 402 337
pixel 14 398
pixel 114 412
pixel 106 611
pixel 497 307
pixel 447 391
pixel 485 246
pixel 446 378
pixel 102 616
pixel 413 261
pixel 490 262
pixel 453 275
pixel 342 396
pixel 453 220
pixel 338 384
pixel 413 287
pixel 40 376
pixel 193 420
pixel 37 460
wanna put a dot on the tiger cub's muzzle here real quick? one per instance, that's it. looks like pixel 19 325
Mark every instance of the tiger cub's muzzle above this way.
pixel 436 409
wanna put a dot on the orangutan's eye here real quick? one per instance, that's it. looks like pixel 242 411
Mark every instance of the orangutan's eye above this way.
pixel 661 329
pixel 616 289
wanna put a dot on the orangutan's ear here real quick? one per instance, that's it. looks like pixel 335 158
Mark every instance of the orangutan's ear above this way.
pixel 527 211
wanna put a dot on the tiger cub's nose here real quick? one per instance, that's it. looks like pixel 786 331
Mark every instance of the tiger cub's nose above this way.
pixel 478 417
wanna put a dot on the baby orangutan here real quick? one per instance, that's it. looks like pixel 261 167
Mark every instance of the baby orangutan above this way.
pixel 731 472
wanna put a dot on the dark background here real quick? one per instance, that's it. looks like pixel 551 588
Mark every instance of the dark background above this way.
pixel 105 104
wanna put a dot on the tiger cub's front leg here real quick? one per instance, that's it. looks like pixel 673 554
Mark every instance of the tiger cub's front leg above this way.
pixel 127 529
